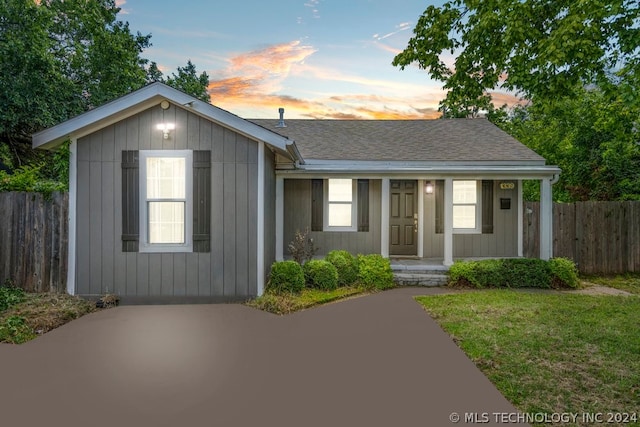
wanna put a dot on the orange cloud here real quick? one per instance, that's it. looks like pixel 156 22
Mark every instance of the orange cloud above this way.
pixel 249 87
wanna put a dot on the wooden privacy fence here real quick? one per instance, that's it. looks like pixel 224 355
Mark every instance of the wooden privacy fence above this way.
pixel 33 240
pixel 600 237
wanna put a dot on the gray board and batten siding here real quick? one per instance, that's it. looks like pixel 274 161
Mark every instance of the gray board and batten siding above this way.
pixel 227 271
pixel 500 240
pixel 298 216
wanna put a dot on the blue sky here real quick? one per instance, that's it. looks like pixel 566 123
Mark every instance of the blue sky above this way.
pixel 315 58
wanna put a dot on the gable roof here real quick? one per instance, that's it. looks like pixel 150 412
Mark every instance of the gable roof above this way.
pixel 147 97
pixel 450 140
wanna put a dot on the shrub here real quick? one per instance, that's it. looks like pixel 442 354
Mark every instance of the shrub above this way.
pixel 286 276
pixel 513 273
pixel 302 248
pixel 563 273
pixel 321 274
pixel 9 296
pixel 347 266
pixel 374 272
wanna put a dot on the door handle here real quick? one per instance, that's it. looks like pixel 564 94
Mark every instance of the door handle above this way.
pixel 415 223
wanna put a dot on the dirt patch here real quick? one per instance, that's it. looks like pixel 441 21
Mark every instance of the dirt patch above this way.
pixel 594 289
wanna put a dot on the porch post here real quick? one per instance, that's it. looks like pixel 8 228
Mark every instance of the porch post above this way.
pixel 279 218
pixel 448 222
pixel 546 218
pixel 73 197
pixel 420 234
pixel 520 221
pixel 384 217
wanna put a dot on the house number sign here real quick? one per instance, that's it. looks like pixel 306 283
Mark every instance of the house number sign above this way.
pixel 507 185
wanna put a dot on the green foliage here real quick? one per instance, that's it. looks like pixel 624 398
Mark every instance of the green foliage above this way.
pixel 374 272
pixel 9 296
pixel 564 273
pixel 535 47
pixel 346 265
pixel 29 178
pixel 61 58
pixel 288 303
pixel 286 276
pixel 592 137
pixel 188 81
pixel 514 273
pixel 321 274
pixel 16 330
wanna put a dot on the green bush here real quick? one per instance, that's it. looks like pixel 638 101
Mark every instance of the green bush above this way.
pixel 9 296
pixel 374 272
pixel 286 276
pixel 320 274
pixel 514 273
pixel 347 266
pixel 564 273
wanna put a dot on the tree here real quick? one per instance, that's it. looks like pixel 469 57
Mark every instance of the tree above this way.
pixel 188 81
pixel 537 48
pixel 594 139
pixel 59 59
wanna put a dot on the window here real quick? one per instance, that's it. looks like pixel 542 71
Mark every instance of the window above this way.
pixel 340 205
pixel 466 205
pixel 340 209
pixel 483 207
pixel 166 200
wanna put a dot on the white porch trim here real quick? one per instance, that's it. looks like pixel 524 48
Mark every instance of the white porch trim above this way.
pixel 384 217
pixel 260 221
pixel 279 218
pixel 420 235
pixel 73 200
pixel 520 220
pixel 546 219
pixel 448 222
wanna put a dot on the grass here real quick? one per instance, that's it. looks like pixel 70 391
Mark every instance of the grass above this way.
pixel 37 313
pixel 309 297
pixel 627 282
pixel 549 353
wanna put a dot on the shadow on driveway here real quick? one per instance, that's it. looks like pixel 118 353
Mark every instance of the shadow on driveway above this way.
pixel 378 360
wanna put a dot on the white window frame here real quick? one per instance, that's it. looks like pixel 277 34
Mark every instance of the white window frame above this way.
pixel 478 205
pixel 145 246
pixel 353 203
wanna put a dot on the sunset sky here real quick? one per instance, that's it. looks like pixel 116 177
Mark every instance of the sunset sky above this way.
pixel 316 58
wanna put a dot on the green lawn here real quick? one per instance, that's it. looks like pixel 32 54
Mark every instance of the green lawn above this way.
pixel 309 297
pixel 549 353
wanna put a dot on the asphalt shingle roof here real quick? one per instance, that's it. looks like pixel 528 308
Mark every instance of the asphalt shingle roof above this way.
pixel 403 140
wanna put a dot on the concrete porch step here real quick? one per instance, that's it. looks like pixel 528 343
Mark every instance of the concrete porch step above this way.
pixel 420 278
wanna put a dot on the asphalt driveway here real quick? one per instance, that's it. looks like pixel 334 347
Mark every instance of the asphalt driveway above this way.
pixel 377 360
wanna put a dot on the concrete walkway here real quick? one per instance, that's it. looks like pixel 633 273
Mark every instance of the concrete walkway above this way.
pixel 376 360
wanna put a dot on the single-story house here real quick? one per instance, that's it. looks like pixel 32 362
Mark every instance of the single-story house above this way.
pixel 174 199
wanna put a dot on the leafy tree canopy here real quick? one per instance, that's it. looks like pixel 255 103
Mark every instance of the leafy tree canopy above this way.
pixel 61 58
pixel 537 48
pixel 594 139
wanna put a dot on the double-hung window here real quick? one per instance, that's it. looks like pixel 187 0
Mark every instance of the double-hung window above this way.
pixel 166 202
pixel 340 204
pixel 466 206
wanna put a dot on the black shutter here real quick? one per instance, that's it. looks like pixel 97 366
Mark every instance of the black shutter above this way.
pixel 130 201
pixel 317 204
pixel 363 205
pixel 487 207
pixel 439 195
pixel 201 201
